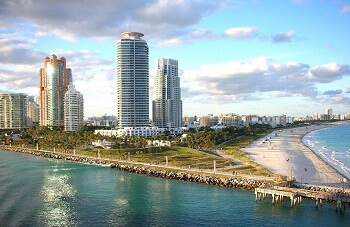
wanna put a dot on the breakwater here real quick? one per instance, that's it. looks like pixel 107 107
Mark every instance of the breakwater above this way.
pixel 233 182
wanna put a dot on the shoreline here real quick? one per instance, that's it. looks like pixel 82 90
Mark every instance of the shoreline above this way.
pixel 286 154
pixel 329 164
pixel 217 179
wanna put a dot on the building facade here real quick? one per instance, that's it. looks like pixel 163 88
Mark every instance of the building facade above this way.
pixel 167 105
pixel 33 112
pixel 54 81
pixel 13 111
pixel 132 80
pixel 73 109
pixel 139 131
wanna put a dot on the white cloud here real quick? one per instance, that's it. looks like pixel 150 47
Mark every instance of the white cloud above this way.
pixel 328 72
pixel 333 92
pixel 171 42
pixel 237 81
pixel 69 20
pixel 283 37
pixel 200 34
pixel 241 33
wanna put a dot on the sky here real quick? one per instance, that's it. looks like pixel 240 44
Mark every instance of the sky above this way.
pixel 267 57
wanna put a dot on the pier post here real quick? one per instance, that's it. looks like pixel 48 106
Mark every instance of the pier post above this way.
pixel 340 206
pixel 214 166
pixel 291 201
pixel 129 156
pixel 166 161
pixel 316 203
pixel 273 198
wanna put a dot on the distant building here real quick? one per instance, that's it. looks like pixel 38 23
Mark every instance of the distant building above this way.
pixel 54 80
pixel 167 105
pixel 250 119
pixel 325 117
pixel 186 120
pixel 209 120
pixel 13 111
pixel 73 109
pixel 33 112
pixel 231 120
pixel 330 112
pixel 336 117
pixel 132 81
pixel 139 131
pixel 104 121
pixel 347 116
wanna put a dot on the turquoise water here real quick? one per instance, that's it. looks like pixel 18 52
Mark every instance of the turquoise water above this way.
pixel 36 191
pixel 332 145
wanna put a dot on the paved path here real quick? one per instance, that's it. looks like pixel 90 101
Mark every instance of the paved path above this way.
pixel 226 156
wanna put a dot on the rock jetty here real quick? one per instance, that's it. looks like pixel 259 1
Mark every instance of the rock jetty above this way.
pixel 235 182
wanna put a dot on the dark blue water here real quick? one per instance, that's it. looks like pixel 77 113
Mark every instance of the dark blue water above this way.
pixel 333 146
pixel 36 191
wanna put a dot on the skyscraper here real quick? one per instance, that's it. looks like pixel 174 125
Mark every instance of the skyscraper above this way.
pixel 73 109
pixel 132 80
pixel 33 112
pixel 54 81
pixel 13 111
pixel 167 106
pixel 330 112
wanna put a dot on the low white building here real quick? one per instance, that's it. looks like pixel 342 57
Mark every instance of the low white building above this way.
pixel 102 143
pixel 159 143
pixel 140 131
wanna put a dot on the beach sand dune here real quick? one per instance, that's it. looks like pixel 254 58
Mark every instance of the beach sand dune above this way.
pixel 286 155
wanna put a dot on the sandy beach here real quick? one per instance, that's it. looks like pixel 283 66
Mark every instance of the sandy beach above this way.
pixel 285 154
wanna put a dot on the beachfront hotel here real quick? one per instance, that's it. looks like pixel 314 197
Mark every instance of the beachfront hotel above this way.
pixel 167 105
pixel 13 111
pixel 73 109
pixel 54 80
pixel 132 80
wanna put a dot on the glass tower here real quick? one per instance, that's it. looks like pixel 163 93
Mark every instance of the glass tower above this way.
pixel 54 81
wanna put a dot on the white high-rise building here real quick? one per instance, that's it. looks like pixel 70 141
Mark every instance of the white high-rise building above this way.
pixel 13 111
pixel 33 111
pixel 132 80
pixel 73 109
pixel 330 112
pixel 167 105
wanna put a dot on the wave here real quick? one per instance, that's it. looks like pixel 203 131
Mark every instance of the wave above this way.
pixel 332 145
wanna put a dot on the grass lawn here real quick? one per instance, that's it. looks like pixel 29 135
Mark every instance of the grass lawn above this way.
pixel 177 156
pixel 233 148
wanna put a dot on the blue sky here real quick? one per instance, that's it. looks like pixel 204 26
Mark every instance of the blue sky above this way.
pixel 261 57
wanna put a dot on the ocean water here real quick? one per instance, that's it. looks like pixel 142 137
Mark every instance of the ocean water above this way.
pixel 36 191
pixel 332 145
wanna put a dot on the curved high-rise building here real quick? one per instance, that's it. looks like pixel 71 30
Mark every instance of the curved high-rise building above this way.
pixel 132 80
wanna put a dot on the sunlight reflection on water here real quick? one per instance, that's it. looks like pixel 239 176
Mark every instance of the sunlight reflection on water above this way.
pixel 58 195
